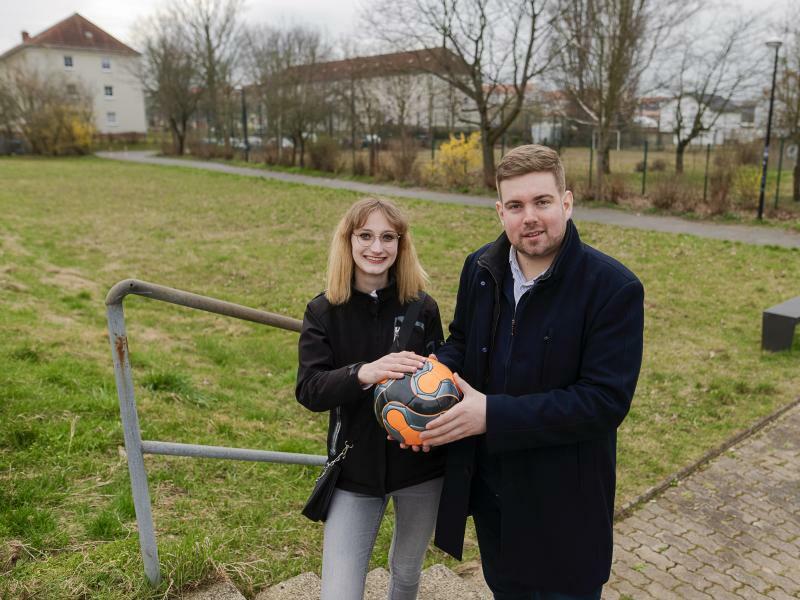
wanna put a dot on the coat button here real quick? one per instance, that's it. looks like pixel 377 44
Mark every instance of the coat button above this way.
pixel 484 349
pixel 483 283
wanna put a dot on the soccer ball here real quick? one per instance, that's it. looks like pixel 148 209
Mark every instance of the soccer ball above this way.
pixel 404 406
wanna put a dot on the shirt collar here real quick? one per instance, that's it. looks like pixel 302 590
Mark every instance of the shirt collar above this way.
pixel 516 270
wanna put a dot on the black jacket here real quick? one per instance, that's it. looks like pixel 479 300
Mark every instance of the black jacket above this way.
pixel 573 363
pixel 334 342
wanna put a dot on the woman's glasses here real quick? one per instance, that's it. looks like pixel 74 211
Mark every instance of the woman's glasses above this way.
pixel 366 237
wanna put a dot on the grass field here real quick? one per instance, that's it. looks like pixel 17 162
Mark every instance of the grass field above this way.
pixel 71 228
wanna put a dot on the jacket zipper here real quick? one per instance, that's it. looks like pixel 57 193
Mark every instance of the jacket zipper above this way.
pixel 336 429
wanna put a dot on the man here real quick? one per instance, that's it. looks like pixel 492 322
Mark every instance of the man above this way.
pixel 547 344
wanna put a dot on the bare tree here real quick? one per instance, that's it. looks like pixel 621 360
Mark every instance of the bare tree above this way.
pixel 477 46
pixel 284 63
pixel 371 110
pixel 713 69
pixel 53 114
pixel 170 75
pixel 787 93
pixel 216 36
pixel 604 47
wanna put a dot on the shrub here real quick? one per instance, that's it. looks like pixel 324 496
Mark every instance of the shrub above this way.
pixel 616 188
pixel 720 183
pixel 403 163
pixel 323 154
pixel 674 193
pixel 657 165
pixel 54 118
pixel 458 163
pixel 359 166
pixel 747 153
pixel 747 184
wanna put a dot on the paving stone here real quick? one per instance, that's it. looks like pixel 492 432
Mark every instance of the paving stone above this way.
pixel 377 584
pixel 440 583
pixel 306 586
pixel 720 593
pixel 687 592
pixel 779 594
pixel 690 577
pixel 222 590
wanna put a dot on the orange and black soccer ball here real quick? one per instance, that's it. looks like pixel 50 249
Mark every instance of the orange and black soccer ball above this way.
pixel 404 406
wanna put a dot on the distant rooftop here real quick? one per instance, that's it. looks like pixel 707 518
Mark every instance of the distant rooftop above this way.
pixel 396 63
pixel 74 32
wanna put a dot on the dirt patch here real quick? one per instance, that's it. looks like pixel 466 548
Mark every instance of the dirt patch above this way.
pixel 7 283
pixel 11 244
pixel 70 280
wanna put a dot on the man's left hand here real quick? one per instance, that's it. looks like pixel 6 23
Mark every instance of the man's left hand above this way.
pixel 466 418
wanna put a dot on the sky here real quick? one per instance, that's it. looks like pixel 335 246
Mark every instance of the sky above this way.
pixel 118 17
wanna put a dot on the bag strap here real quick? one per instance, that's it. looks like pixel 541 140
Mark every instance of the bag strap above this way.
pixel 409 320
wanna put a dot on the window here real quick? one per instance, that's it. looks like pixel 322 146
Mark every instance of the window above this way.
pixel 109 91
pixel 67 62
pixel 72 89
pixel 106 63
pixel 111 118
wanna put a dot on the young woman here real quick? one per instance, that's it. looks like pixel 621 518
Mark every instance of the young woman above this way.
pixel 373 275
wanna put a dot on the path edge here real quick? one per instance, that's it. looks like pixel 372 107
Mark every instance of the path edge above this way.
pixel 629 507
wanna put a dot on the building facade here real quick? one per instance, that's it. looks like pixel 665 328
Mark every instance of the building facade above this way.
pixel 85 57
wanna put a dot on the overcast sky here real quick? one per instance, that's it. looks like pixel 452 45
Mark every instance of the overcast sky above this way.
pixel 338 17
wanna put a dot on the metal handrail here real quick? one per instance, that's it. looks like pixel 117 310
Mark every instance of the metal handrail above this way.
pixel 135 446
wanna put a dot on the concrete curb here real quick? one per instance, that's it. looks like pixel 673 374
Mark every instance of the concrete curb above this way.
pixel 629 507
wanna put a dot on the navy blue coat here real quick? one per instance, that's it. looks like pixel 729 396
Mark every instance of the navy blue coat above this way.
pixel 573 365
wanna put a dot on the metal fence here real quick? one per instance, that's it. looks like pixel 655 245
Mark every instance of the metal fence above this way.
pixel 135 446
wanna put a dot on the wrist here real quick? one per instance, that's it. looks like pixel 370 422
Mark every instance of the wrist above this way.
pixel 357 370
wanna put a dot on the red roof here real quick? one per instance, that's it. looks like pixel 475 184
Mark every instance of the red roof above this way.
pixel 79 33
pixel 397 63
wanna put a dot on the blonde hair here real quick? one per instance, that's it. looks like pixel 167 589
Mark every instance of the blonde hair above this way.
pixel 409 274
pixel 531 158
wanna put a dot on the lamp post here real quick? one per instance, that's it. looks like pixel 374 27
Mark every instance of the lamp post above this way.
pixel 244 128
pixel 774 43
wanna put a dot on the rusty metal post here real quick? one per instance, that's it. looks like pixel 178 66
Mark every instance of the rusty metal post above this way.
pixel 135 446
pixel 133 441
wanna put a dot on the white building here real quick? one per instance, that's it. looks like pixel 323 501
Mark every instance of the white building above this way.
pixel 88 56
pixel 724 121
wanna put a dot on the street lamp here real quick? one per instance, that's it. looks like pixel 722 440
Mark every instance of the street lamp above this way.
pixel 244 128
pixel 773 43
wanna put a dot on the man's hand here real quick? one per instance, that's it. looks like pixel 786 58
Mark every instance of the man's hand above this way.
pixel 466 418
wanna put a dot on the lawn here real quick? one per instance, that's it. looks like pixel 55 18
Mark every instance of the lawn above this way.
pixel 71 228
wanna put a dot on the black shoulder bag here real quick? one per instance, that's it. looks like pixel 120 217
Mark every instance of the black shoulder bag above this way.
pixel 316 507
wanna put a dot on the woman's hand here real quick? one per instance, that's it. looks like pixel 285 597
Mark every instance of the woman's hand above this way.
pixel 391 366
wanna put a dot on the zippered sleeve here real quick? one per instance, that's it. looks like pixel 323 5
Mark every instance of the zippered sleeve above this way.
pixel 320 385
pixel 599 399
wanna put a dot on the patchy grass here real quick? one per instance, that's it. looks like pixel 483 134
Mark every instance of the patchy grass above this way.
pixel 71 228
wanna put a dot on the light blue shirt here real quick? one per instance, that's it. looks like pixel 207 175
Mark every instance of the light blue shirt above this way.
pixel 521 285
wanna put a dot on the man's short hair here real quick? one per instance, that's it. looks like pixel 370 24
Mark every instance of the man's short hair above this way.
pixel 531 158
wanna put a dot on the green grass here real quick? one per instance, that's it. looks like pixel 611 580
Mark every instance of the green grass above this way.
pixel 71 228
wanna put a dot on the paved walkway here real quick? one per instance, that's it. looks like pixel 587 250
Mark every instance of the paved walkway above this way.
pixel 741 233
pixel 730 531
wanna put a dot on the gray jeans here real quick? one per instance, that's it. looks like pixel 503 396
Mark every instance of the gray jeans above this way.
pixel 350 531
